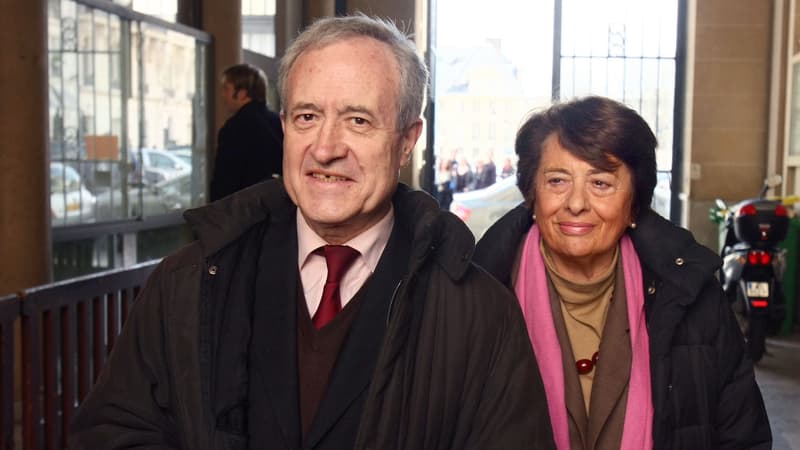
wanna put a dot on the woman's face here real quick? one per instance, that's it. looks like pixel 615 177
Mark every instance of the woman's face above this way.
pixel 582 211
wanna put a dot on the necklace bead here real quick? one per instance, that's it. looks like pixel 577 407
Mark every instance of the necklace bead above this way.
pixel 585 366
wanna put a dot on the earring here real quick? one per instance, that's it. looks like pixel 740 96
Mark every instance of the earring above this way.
pixel 633 225
pixel 534 217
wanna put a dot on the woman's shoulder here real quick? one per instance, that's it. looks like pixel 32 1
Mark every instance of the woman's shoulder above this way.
pixel 671 254
pixel 496 249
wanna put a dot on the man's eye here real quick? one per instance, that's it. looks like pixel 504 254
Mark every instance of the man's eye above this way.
pixel 306 117
pixel 360 121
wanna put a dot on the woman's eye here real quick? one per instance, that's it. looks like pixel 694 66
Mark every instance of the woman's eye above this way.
pixel 601 184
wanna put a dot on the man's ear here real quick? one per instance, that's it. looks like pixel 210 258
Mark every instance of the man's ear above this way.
pixel 241 95
pixel 408 140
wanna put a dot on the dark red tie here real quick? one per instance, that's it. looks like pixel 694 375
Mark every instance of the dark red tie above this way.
pixel 338 258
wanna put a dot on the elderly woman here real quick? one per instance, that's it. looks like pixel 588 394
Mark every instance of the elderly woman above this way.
pixel 637 346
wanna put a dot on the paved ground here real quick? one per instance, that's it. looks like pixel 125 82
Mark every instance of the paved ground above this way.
pixel 778 374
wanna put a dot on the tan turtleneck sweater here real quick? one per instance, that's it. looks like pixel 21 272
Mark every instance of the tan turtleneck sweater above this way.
pixel 585 308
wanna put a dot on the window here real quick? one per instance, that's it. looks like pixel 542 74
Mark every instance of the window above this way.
pixel 102 119
pixel 258 26
pixel 623 49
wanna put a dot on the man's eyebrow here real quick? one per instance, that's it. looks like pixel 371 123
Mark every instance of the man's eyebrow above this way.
pixel 306 105
pixel 357 109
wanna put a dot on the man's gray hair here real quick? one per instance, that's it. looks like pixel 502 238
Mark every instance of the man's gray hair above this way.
pixel 329 30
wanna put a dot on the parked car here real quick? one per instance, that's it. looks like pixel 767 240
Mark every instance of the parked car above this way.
pixel 662 194
pixel 184 153
pixel 480 209
pixel 159 165
pixel 146 200
pixel 70 201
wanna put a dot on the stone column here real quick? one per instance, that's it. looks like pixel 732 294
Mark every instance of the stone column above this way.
pixel 24 191
pixel 223 20
pixel 403 13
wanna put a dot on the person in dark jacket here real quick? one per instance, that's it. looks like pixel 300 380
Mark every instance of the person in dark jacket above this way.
pixel 636 343
pixel 230 344
pixel 250 143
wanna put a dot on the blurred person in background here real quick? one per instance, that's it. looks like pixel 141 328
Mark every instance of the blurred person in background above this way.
pixel 250 143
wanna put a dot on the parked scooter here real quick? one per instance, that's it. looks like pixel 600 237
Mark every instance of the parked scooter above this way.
pixel 753 264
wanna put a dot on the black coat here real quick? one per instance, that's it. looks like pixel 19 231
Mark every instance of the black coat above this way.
pixel 454 370
pixel 704 390
pixel 249 150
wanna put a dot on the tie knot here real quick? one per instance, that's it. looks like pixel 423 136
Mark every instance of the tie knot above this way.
pixel 338 258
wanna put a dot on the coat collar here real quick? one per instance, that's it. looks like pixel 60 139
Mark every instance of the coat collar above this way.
pixel 671 254
pixel 435 233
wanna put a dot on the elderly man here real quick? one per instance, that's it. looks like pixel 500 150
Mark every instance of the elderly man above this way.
pixel 336 309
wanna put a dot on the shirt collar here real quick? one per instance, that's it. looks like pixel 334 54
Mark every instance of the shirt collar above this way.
pixel 369 243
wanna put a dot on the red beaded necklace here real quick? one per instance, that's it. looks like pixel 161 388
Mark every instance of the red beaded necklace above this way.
pixel 585 366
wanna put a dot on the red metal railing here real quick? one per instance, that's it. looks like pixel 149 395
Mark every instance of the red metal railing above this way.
pixel 68 330
pixel 9 313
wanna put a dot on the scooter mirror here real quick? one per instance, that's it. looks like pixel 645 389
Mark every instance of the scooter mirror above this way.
pixel 773 180
pixel 720 204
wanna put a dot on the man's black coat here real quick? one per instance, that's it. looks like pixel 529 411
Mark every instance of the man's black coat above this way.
pixel 445 364
pixel 250 150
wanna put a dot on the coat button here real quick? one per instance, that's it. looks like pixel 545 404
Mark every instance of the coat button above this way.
pixel 212 270
pixel 651 290
pixel 679 261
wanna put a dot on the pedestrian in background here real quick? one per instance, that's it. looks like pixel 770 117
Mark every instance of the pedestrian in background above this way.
pixel 250 143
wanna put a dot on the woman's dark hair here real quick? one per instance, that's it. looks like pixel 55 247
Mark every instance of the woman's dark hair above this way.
pixel 596 130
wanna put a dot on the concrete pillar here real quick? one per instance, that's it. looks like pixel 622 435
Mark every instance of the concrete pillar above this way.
pixel 288 23
pixel 403 13
pixel 24 191
pixel 730 102
pixel 223 20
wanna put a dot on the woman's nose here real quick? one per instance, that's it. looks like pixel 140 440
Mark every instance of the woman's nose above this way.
pixel 576 199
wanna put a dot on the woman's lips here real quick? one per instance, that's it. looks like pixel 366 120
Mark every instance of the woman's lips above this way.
pixel 575 228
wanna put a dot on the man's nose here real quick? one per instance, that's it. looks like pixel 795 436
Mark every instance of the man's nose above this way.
pixel 329 145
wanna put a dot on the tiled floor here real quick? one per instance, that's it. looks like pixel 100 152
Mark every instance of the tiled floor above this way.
pixel 778 374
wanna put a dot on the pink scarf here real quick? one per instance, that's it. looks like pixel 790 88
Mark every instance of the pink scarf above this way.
pixel 531 289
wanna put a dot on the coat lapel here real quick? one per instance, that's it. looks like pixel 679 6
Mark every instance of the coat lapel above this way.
pixel 573 394
pixel 613 373
pixel 274 344
pixel 354 368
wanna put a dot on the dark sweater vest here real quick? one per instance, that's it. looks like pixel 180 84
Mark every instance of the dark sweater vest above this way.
pixel 317 351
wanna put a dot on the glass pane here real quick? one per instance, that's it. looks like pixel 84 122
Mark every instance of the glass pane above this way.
pixel 163 9
pixel 168 156
pixel 487 79
pixel 111 100
pixel 794 118
pixel 638 67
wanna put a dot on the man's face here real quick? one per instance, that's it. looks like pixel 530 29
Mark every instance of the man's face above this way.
pixel 342 147
pixel 233 99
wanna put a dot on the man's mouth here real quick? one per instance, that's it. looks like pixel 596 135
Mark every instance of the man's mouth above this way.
pixel 327 178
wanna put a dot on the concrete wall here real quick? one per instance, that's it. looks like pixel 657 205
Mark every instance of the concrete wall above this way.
pixel 730 105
